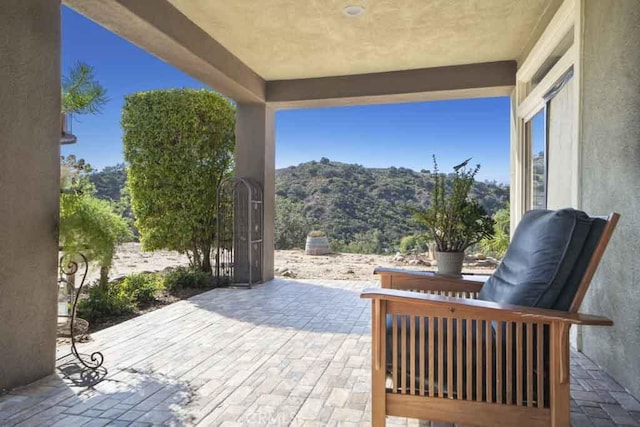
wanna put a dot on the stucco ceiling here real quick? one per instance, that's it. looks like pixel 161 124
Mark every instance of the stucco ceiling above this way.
pixel 289 39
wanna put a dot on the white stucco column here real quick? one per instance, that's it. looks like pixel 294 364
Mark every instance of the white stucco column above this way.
pixel 255 158
pixel 29 187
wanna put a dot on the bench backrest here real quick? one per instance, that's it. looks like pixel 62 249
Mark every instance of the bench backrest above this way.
pixel 551 260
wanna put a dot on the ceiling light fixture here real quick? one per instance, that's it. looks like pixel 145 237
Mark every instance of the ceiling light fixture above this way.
pixel 353 11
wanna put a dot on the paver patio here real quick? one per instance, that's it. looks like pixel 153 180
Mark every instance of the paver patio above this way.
pixel 289 352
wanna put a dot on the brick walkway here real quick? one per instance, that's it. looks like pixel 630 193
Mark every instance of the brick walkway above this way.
pixel 285 353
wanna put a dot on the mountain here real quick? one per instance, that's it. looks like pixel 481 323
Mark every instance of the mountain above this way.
pixel 361 209
pixel 366 210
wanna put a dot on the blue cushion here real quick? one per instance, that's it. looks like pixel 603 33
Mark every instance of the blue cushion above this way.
pixel 541 259
pixel 571 287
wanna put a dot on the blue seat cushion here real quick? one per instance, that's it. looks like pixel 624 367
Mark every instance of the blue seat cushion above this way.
pixel 540 260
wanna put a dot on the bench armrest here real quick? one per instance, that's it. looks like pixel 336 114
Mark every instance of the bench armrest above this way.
pixel 395 278
pixel 424 304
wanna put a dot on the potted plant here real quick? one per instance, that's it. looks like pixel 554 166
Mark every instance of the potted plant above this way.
pixel 454 220
pixel 317 243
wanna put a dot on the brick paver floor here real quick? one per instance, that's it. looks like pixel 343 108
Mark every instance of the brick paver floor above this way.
pixel 284 353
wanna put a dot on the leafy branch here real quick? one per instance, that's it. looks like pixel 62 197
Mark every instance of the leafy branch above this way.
pixel 81 93
pixel 454 221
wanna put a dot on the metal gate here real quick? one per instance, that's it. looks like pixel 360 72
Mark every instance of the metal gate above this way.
pixel 238 255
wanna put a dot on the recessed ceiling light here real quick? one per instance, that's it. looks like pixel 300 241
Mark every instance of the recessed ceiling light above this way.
pixel 352 11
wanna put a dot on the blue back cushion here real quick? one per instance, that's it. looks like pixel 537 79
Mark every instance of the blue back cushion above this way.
pixel 593 238
pixel 546 255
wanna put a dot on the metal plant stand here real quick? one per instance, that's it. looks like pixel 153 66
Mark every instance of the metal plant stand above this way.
pixel 238 255
pixel 69 267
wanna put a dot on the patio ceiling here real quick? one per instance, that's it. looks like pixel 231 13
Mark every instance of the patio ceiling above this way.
pixel 287 51
pixel 280 39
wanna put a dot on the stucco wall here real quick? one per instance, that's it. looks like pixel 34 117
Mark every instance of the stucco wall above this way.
pixel 255 158
pixel 610 155
pixel 29 187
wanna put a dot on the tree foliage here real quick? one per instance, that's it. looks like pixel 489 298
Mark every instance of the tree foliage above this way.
pixel 291 224
pixel 109 182
pixel 81 92
pixel 87 224
pixel 499 243
pixel 74 176
pixel 365 242
pixel 414 243
pixel 179 145
pixel 90 226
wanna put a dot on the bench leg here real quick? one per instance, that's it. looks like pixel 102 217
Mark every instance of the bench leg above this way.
pixel 559 376
pixel 378 364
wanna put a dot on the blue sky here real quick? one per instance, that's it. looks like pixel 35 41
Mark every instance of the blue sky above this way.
pixel 398 135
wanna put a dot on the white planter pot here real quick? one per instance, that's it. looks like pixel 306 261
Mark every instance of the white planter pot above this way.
pixel 317 246
pixel 450 263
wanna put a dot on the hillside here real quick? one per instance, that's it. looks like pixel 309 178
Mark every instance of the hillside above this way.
pixel 361 209
pixel 364 210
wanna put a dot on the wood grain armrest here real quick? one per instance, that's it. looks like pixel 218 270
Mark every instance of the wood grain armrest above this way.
pixel 396 278
pixel 435 305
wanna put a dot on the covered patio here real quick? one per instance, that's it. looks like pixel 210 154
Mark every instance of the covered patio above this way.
pixel 285 353
pixel 294 350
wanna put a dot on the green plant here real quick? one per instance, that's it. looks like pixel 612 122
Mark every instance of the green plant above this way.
pixel 499 243
pixel 454 220
pixel 106 301
pixel 316 233
pixel 144 287
pixel 366 242
pixel 182 278
pixel 414 243
pixel 87 225
pixel 291 224
pixel 74 176
pixel 90 226
pixel 81 93
pixel 179 145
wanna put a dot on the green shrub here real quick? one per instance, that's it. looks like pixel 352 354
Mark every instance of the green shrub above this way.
pixel 90 226
pixel 178 145
pixel 182 277
pixel 366 242
pixel 291 224
pixel 143 288
pixel 498 244
pixel 109 301
pixel 414 243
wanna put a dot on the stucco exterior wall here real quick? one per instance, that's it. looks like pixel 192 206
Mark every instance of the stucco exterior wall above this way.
pixel 610 179
pixel 29 187
pixel 255 158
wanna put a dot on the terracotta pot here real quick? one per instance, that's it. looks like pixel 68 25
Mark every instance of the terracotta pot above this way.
pixel 450 263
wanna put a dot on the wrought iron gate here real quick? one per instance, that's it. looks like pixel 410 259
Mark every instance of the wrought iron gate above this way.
pixel 238 255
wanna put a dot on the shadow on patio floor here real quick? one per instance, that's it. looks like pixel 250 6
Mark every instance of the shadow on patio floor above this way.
pixel 296 304
pixel 128 395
